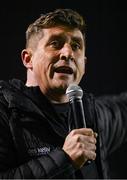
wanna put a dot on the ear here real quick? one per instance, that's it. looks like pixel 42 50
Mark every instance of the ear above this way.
pixel 26 56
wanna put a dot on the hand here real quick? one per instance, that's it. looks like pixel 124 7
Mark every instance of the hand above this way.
pixel 80 145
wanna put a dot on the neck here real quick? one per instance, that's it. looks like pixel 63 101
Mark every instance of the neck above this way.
pixel 56 96
pixel 57 99
pixel 31 80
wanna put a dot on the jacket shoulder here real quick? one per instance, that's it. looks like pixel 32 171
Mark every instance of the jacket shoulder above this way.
pixel 4 111
pixel 2 98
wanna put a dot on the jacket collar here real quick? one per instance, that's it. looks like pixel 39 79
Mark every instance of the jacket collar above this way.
pixel 19 97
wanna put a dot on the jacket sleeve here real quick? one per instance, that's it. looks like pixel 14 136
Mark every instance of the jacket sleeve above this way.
pixel 56 164
pixel 112 119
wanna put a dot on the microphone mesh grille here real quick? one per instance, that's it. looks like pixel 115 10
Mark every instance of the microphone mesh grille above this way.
pixel 74 91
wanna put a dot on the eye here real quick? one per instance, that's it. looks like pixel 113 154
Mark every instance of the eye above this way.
pixel 56 44
pixel 75 46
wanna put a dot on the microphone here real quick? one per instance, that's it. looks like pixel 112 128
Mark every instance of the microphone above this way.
pixel 75 94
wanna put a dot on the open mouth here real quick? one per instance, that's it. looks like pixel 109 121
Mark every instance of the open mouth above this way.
pixel 64 69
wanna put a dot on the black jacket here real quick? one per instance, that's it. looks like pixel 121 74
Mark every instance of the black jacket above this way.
pixel 31 136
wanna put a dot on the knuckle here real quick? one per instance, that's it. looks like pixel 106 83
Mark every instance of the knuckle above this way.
pixel 80 146
pixel 73 132
pixel 78 138
pixel 89 154
pixel 92 140
pixel 85 152
pixel 94 156
pixel 95 147
pixel 95 141
pixel 80 152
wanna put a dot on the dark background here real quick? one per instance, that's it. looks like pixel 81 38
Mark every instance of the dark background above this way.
pixel 106 70
pixel 106 39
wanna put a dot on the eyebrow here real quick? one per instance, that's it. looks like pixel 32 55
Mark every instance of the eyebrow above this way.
pixel 77 39
pixel 74 38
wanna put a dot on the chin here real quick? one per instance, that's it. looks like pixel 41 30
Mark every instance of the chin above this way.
pixel 61 88
pixel 63 84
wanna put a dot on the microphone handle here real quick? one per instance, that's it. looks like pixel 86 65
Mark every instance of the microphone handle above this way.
pixel 78 113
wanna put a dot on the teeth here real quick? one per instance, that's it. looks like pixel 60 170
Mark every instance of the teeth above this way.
pixel 64 69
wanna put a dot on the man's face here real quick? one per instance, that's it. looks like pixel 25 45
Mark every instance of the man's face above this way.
pixel 58 59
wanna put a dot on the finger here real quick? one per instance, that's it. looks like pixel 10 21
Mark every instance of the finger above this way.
pixel 95 135
pixel 85 139
pixel 91 139
pixel 91 155
pixel 89 146
pixel 83 131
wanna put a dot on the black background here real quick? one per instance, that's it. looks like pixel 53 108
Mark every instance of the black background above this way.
pixel 106 70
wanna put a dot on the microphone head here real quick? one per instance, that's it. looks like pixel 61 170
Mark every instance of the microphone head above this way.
pixel 74 92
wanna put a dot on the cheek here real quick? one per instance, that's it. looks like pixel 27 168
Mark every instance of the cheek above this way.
pixel 81 66
pixel 38 67
pixel 38 60
pixel 83 69
pixel 42 70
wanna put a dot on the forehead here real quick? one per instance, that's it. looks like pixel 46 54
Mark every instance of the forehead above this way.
pixel 62 31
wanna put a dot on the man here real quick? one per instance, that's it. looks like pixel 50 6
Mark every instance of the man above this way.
pixel 37 135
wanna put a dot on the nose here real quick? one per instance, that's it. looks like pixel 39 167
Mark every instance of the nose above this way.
pixel 66 52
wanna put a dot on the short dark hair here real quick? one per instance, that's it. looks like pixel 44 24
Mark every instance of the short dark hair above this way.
pixel 58 17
